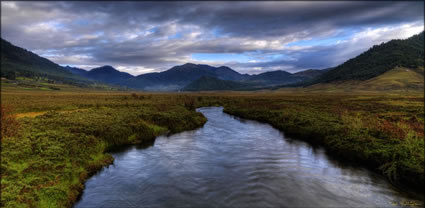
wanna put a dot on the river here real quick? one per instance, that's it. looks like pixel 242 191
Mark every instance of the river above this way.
pixel 232 162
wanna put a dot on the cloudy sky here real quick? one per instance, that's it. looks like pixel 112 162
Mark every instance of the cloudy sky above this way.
pixel 250 37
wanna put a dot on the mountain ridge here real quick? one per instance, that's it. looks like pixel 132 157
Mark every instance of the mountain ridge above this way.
pixel 379 59
pixel 206 83
pixel 17 61
pixel 108 74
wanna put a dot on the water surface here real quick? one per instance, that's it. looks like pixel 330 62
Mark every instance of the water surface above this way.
pixel 232 162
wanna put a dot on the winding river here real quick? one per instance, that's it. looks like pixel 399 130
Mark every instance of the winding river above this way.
pixel 232 162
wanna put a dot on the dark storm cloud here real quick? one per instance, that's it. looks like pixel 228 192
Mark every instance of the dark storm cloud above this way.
pixel 265 19
pixel 157 35
pixel 255 19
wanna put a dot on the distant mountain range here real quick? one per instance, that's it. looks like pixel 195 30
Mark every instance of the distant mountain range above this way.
pixel 206 83
pixel 17 61
pixel 75 70
pixel 109 75
pixel 408 54
pixel 178 77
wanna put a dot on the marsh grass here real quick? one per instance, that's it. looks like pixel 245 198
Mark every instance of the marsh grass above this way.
pixel 9 123
pixel 384 132
pixel 45 162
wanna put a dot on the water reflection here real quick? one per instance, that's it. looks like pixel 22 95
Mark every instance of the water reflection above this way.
pixel 235 163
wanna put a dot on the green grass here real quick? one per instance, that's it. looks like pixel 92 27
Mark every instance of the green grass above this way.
pixel 35 84
pixel 384 132
pixel 48 161
pixel 399 79
pixel 44 164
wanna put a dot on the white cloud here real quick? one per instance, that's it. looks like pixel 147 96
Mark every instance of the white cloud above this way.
pixel 9 5
pixel 135 70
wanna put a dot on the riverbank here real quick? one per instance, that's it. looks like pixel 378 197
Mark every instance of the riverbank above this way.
pixel 47 160
pixel 60 138
pixel 383 132
pixel 233 162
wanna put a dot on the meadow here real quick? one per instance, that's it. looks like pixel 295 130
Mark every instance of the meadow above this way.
pixel 53 140
pixel 383 132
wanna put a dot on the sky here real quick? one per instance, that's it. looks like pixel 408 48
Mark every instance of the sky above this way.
pixel 250 37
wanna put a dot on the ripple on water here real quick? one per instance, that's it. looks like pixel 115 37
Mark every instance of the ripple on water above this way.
pixel 233 162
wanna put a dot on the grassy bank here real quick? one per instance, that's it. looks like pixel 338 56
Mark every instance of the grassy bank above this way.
pixel 60 138
pixel 54 140
pixel 384 132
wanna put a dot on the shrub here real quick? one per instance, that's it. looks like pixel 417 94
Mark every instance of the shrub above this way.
pixel 9 124
pixel 190 103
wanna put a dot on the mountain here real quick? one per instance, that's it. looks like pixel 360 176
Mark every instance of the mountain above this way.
pixel 252 82
pixel 273 78
pixel 191 72
pixel 75 70
pixel 20 62
pixel 206 83
pixel 106 74
pixel 226 73
pixel 109 75
pixel 310 73
pixel 408 53
pixel 179 76
pixel 16 61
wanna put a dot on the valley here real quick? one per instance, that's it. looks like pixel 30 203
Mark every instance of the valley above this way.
pixel 233 104
pixel 381 131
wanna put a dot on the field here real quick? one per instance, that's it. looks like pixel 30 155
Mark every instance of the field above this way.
pixel 398 79
pixel 60 138
pixel 384 132
pixel 53 140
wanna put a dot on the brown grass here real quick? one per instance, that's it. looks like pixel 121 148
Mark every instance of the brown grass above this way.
pixel 9 124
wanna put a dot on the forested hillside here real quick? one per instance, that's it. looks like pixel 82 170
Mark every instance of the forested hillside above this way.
pixel 408 53
pixel 16 61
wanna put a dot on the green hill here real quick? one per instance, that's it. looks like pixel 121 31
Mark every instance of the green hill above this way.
pixel 397 79
pixel 408 53
pixel 18 62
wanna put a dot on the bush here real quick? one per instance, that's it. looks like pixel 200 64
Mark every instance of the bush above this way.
pixel 9 124
pixel 190 103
